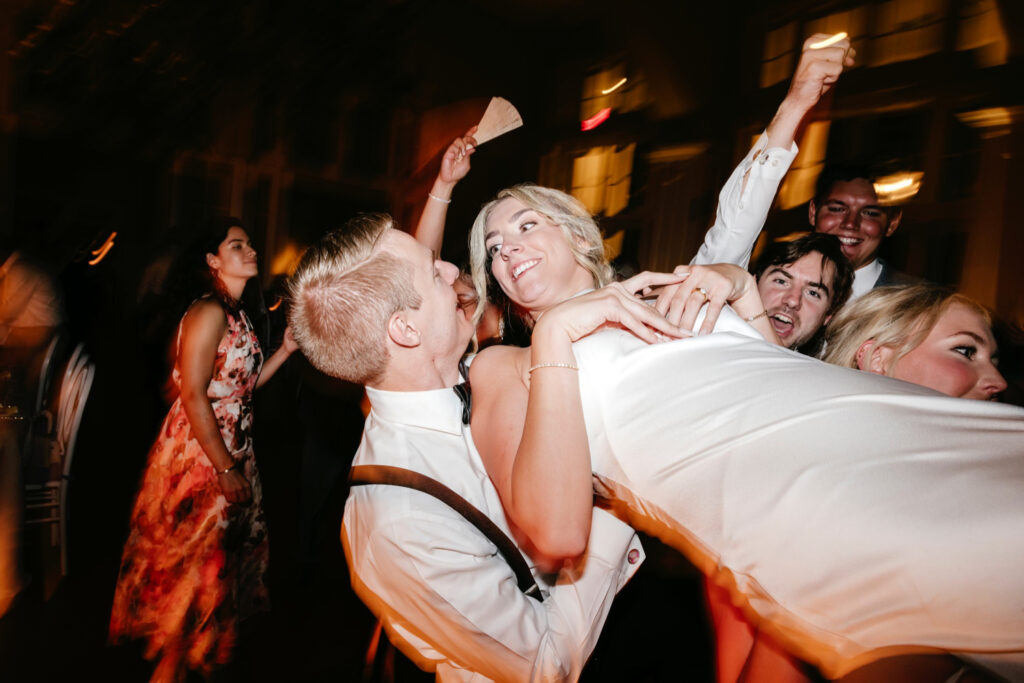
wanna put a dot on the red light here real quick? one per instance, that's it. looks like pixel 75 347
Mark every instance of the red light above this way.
pixel 596 120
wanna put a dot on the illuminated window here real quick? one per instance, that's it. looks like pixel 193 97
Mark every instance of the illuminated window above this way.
pixel 798 187
pixel 907 29
pixel 777 61
pixel 981 29
pixel 601 178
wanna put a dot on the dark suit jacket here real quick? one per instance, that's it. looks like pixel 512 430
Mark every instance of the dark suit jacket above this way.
pixel 890 276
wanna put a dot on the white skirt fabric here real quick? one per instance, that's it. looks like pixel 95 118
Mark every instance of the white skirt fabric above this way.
pixel 852 516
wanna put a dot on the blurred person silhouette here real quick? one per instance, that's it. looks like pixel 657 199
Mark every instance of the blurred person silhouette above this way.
pixel 31 312
pixel 195 560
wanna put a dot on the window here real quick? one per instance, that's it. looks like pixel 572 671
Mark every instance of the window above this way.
pixel 907 29
pixel 981 29
pixel 778 59
pixel 601 178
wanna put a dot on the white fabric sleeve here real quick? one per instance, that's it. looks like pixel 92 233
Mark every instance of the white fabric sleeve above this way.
pixel 742 210
pixel 446 595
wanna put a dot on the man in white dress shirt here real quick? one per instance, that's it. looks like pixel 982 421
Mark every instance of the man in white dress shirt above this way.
pixel 845 202
pixel 372 305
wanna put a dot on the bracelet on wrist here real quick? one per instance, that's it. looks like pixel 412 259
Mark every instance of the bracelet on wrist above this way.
pixel 762 314
pixel 228 469
pixel 438 199
pixel 567 366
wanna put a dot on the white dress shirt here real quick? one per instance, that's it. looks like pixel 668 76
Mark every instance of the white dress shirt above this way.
pixel 446 596
pixel 742 211
pixel 864 279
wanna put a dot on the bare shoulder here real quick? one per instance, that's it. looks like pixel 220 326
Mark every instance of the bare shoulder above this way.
pixel 498 362
pixel 205 318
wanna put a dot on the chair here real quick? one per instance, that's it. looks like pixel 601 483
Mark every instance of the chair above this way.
pixel 45 375
pixel 46 488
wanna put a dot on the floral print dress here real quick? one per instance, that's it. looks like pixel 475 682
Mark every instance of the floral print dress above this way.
pixel 194 564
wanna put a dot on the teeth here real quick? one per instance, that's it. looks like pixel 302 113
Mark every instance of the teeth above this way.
pixel 518 270
pixel 783 319
pixel 849 241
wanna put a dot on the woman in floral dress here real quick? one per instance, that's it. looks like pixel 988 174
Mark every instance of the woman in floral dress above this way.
pixel 196 558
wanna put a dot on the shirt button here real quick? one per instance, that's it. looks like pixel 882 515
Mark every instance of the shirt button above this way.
pixel 633 556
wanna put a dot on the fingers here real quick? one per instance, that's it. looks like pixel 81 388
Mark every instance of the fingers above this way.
pixel 711 317
pixel 643 320
pixel 820 41
pixel 640 282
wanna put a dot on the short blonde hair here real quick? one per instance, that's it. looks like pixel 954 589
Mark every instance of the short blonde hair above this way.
pixel 565 211
pixel 343 292
pixel 896 317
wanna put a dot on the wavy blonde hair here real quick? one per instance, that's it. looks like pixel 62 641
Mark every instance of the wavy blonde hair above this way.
pixel 896 317
pixel 343 293
pixel 565 211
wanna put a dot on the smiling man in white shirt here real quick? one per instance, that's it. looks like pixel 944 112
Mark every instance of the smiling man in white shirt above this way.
pixel 372 305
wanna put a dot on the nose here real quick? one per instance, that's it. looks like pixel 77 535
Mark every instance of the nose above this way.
pixel 992 381
pixel 449 271
pixel 851 220
pixel 791 299
pixel 509 247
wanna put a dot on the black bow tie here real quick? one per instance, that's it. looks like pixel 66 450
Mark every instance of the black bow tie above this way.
pixel 464 393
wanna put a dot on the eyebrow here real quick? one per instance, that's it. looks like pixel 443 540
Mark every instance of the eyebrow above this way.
pixel 511 219
pixel 866 206
pixel 780 269
pixel 973 335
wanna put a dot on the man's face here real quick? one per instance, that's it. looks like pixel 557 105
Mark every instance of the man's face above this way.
pixel 443 327
pixel 797 297
pixel 852 213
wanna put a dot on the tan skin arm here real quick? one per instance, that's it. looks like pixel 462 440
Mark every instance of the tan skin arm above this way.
pixel 816 73
pixel 454 167
pixel 202 329
pixel 529 428
pixel 274 363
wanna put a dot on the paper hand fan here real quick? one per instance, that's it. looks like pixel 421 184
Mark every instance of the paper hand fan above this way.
pixel 500 118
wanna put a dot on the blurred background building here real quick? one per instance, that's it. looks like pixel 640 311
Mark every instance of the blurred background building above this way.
pixel 141 118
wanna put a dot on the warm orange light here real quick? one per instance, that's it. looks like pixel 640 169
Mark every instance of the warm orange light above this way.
pixel 276 304
pixel 898 187
pixel 103 249
pixel 609 91
pixel 831 40
pixel 285 261
pixel 596 120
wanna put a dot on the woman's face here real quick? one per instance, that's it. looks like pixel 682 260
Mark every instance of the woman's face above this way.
pixel 531 258
pixel 235 257
pixel 956 358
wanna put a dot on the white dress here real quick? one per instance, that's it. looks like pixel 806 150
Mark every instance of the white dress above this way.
pixel 852 516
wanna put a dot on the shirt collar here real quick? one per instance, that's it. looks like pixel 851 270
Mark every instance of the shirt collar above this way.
pixel 436 409
pixel 865 277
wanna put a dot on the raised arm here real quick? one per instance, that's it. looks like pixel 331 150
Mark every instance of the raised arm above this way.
pixel 528 416
pixel 454 167
pixel 747 196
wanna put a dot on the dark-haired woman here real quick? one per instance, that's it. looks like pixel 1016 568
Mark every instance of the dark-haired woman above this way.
pixel 196 557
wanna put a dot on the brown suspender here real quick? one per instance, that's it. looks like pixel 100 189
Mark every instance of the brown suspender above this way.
pixel 398 476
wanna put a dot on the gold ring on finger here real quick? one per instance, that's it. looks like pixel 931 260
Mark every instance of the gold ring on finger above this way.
pixel 703 292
